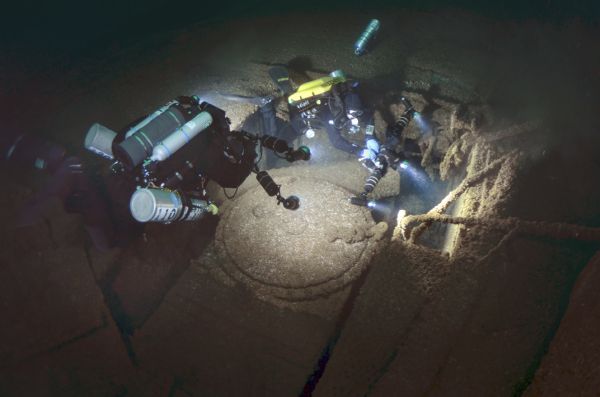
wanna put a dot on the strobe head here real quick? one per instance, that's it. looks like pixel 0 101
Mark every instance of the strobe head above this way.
pixel 291 203
pixel 302 153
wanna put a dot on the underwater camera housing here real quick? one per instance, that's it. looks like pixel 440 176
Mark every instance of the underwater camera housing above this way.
pixel 170 155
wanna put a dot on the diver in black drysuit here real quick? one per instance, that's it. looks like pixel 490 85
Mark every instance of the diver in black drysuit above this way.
pixel 102 197
pixel 341 114
pixel 76 186
pixel 395 152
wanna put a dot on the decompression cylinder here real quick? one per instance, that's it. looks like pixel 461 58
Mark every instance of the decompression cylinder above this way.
pixel 166 206
pixel 180 137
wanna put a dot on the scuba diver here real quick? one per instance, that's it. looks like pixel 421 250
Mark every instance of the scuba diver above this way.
pixel 329 103
pixel 333 104
pixel 160 166
pixel 397 152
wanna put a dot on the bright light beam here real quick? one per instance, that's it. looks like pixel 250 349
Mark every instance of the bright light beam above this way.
pixel 316 152
pixel 422 123
pixel 416 174
pixel 379 206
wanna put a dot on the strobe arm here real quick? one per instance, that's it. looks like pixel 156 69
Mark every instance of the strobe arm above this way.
pixel 372 180
pixel 279 146
pixel 273 189
pixel 282 148
pixel 405 119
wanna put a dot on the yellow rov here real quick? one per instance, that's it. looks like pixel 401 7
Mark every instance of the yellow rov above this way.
pixel 317 88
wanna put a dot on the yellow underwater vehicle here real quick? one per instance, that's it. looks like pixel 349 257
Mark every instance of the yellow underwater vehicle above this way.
pixel 316 89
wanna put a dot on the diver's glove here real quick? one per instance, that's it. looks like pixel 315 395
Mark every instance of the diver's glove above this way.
pixel 212 209
pixel 391 157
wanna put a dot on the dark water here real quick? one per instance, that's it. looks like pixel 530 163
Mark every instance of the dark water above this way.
pixel 37 35
pixel 68 25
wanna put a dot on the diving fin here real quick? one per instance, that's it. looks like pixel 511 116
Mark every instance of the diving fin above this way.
pixel 280 76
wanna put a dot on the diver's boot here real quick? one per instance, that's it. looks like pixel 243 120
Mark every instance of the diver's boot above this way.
pixel 253 100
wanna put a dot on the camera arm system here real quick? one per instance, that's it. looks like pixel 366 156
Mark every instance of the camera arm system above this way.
pixel 172 153
pixel 282 150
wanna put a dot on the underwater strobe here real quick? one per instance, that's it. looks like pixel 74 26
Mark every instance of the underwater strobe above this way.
pixel 360 47
pixel 273 189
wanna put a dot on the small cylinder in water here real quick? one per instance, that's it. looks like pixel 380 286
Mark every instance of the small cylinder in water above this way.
pixel 181 136
pixel 367 35
pixel 166 206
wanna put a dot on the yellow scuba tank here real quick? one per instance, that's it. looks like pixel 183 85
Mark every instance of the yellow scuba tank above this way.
pixel 317 88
